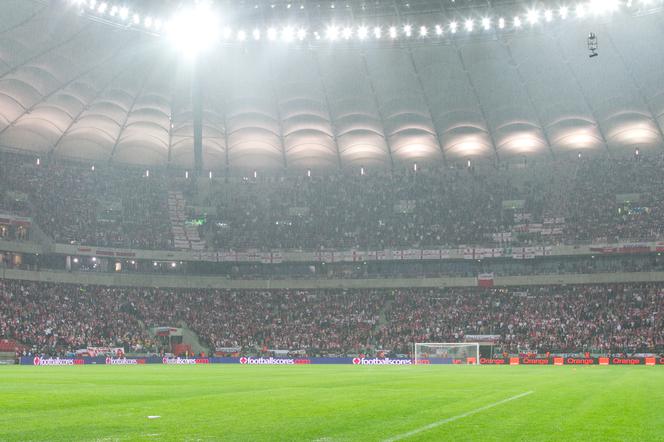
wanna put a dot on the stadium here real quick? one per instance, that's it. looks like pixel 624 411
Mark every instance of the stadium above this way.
pixel 331 220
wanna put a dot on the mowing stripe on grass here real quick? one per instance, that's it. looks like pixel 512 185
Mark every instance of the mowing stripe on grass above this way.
pixel 454 418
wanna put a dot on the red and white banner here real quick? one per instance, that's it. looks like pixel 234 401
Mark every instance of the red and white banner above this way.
pixel 485 280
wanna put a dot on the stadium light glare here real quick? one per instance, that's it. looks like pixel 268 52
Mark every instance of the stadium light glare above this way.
pixel 533 16
pixel 439 30
pixel 147 22
pixel 486 23
pixel 124 13
pixel 408 30
pixel 227 33
pixel 271 34
pixel 288 34
pixel 256 33
pixel 517 22
pixel 548 15
pixel 453 27
pixel 332 33
pixel 469 25
pixel 564 12
pixel 393 32
pixel 347 33
pixel 362 32
pixel 301 34
pixel 114 11
pixel 603 6
pixel 241 35
pixel 93 4
pixel 102 8
pixel 136 19
pixel 580 11
pixel 423 31
pixel 501 23
pixel 377 32
pixel 195 29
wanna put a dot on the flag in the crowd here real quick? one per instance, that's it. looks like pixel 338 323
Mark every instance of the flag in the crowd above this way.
pixel 485 280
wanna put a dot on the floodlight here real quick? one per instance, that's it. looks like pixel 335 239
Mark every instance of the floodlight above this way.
pixel 241 35
pixel 256 34
pixel 288 34
pixel 564 11
pixel 548 15
pixel 469 24
pixel 124 13
pixel 517 22
pixel 227 33
pixel 501 23
pixel 533 16
pixel 486 23
pixel 453 27
pixel 439 30
pixel 195 29
pixel 408 30
pixel 332 32
pixel 362 32
pixel 136 18
pixel 423 31
pixel 347 33
pixel 272 34
pixel 114 11
pixel 93 4
pixel 102 8
pixel 377 32
pixel 301 34
pixel 393 32
pixel 147 22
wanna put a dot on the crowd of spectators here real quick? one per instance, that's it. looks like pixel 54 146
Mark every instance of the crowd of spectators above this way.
pixel 72 203
pixel 55 318
pixel 551 202
pixel 567 319
pixel 590 200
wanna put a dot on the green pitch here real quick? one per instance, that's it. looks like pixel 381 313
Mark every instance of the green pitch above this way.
pixel 332 403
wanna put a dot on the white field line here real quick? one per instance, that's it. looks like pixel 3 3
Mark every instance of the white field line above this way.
pixel 454 418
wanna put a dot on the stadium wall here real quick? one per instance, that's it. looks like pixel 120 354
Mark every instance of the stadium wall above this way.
pixel 190 281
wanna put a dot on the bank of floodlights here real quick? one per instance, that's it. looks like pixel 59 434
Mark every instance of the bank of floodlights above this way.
pixel 199 26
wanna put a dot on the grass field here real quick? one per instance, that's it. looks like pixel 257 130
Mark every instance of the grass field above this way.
pixel 331 403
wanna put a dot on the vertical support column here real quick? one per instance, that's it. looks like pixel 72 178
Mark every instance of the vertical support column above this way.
pixel 197 113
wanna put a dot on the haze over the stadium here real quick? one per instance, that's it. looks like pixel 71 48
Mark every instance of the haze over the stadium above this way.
pixel 303 85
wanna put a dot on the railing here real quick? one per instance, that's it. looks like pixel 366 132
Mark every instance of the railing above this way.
pixel 191 282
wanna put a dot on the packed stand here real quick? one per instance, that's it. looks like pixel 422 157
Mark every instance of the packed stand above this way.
pixel 550 202
pixel 616 318
pixel 590 200
pixel 111 207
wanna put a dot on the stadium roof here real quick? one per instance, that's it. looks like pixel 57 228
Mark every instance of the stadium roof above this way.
pixel 83 88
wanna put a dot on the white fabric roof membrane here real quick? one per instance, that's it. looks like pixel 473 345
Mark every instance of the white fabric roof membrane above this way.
pixel 87 90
